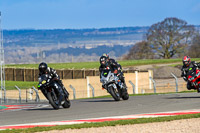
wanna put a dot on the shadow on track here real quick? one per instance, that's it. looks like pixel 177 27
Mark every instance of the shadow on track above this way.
pixel 100 101
pixel 182 97
pixel 45 109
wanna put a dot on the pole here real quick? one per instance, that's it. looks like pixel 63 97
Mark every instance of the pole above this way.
pixel 136 82
pixel 154 84
pixel 92 89
pixel 74 91
pixel 132 86
pixel 37 99
pixel 19 93
pixel 176 81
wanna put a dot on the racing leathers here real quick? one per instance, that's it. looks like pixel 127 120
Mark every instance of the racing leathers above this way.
pixel 115 68
pixel 55 77
pixel 185 72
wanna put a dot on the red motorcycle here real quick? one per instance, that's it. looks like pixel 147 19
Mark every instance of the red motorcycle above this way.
pixel 194 78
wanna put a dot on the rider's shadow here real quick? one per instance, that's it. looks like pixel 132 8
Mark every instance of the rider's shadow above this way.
pixel 41 109
pixel 99 101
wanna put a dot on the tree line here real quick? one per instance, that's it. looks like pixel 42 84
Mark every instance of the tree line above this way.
pixel 170 38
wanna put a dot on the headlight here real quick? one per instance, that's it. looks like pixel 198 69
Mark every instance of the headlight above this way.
pixel 44 81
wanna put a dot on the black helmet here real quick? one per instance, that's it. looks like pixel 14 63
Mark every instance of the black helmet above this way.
pixel 42 67
pixel 103 60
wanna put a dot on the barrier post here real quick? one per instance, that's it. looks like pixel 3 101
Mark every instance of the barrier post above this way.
pixel 154 84
pixel 19 93
pixel 74 91
pixel 132 86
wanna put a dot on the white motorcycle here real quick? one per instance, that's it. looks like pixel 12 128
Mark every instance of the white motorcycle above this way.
pixel 113 85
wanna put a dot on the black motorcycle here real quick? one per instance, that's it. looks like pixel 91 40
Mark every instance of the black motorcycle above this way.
pixel 113 85
pixel 56 97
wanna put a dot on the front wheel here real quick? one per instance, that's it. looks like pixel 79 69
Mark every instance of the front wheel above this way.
pixel 67 103
pixel 51 101
pixel 114 93
pixel 125 96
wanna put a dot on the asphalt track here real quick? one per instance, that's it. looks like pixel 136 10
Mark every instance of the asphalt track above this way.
pixel 104 107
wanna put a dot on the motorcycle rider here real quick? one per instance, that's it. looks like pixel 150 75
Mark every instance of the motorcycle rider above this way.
pixel 112 61
pixel 44 69
pixel 111 64
pixel 187 64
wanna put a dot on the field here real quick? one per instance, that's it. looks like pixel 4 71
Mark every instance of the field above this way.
pixel 92 65
pixel 10 85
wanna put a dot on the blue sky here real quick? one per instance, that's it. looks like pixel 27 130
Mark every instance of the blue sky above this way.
pixel 78 14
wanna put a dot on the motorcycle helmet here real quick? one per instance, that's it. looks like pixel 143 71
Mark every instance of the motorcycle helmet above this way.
pixel 107 55
pixel 103 60
pixel 42 67
pixel 186 61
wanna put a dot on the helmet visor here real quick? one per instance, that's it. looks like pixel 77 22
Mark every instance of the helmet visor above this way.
pixel 42 69
pixel 186 63
pixel 103 62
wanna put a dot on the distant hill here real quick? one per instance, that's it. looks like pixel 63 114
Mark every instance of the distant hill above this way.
pixel 69 45
pixel 31 36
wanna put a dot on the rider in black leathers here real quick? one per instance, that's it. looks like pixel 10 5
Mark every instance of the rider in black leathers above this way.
pixel 107 63
pixel 187 64
pixel 44 69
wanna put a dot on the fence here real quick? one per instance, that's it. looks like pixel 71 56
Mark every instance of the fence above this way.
pixel 137 83
pixel 22 74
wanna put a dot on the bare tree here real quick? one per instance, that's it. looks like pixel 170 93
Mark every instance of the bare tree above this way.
pixel 169 37
pixel 140 50
pixel 194 49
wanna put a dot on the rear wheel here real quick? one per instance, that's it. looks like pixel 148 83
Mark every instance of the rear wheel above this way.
pixel 52 101
pixel 114 93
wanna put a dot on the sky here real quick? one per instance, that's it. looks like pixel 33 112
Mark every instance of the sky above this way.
pixel 81 14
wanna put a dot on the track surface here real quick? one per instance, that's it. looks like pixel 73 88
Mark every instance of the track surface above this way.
pixel 94 108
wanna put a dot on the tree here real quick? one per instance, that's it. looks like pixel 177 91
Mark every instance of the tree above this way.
pixel 169 37
pixel 140 50
pixel 194 49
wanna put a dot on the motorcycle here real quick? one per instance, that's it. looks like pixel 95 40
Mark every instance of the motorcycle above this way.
pixel 194 78
pixel 113 85
pixel 47 85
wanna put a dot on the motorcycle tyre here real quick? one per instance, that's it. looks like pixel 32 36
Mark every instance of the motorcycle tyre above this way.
pixel 51 101
pixel 114 95
pixel 125 96
pixel 67 103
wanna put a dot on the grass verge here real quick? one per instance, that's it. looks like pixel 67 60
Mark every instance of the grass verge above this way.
pixel 103 124
pixel 91 65
pixel 10 85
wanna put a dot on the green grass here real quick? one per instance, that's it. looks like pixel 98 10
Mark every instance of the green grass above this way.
pixel 91 65
pixel 10 85
pixel 103 124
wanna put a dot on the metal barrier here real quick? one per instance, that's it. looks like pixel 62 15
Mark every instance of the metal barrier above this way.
pixel 132 86
pixel 92 89
pixel 20 99
pixel 3 95
pixel 37 98
pixel 74 91
pixel 154 84
pixel 176 81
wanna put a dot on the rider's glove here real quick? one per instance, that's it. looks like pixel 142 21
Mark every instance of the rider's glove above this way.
pixel 107 68
pixel 185 78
